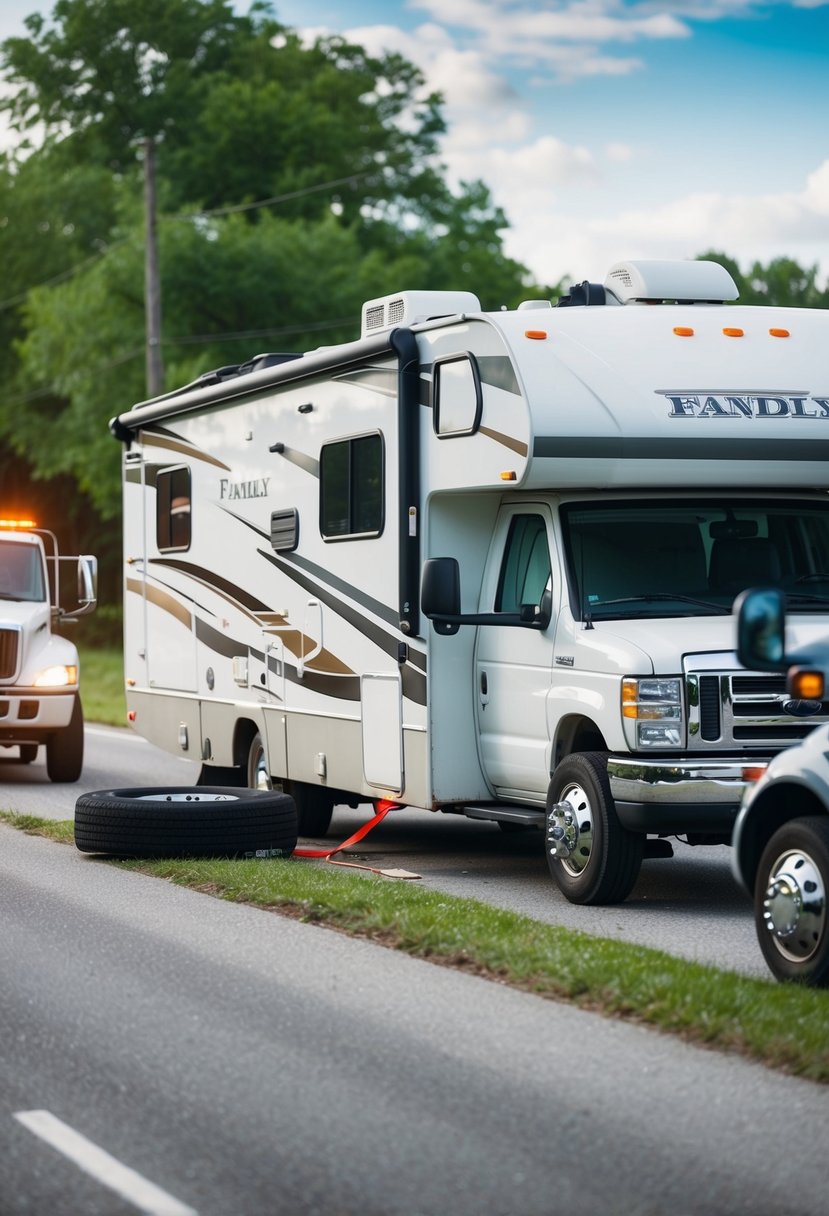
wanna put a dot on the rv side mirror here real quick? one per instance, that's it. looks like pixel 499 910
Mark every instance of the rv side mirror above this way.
pixel 87 582
pixel 440 593
pixel 761 629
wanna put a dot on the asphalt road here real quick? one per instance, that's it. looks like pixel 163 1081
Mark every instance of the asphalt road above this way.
pixel 688 905
pixel 165 1052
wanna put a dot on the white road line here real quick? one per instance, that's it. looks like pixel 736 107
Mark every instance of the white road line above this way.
pixel 146 1196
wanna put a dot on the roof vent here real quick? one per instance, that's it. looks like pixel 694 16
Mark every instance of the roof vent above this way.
pixel 409 307
pixel 686 282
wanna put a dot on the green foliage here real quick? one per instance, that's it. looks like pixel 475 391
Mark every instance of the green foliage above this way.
pixel 783 282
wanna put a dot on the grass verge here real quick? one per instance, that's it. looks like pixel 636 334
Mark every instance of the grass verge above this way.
pixel 102 685
pixel 781 1025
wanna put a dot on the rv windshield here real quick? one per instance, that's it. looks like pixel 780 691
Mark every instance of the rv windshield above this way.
pixel 673 557
pixel 21 572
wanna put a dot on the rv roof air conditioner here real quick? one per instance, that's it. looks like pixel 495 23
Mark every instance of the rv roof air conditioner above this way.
pixel 409 307
pixel 654 283
pixel 686 282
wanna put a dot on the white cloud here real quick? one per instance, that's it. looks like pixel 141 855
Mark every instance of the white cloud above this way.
pixel 761 227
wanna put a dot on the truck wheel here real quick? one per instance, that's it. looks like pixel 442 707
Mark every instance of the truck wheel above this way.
pixel 790 901
pixel 603 861
pixel 64 751
pixel 314 805
pixel 28 753
pixel 194 821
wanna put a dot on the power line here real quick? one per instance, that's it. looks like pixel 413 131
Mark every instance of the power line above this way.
pixel 196 215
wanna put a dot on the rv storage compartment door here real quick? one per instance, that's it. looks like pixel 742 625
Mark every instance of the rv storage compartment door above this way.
pixel 380 695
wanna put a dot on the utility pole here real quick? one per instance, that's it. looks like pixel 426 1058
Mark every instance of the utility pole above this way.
pixel 152 285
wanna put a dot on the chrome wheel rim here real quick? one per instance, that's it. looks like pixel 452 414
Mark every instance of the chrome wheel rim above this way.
pixel 258 776
pixel 576 797
pixel 794 905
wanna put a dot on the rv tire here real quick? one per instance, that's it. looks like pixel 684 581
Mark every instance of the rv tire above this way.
pixel 314 805
pixel 186 821
pixel 605 862
pixel 64 750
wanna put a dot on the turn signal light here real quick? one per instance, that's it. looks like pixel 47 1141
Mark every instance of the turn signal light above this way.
pixel 806 685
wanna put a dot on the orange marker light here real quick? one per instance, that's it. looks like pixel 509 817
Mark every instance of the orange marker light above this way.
pixel 17 523
pixel 733 333
pixel 754 772
pixel 508 475
pixel 683 331
pixel 538 334
pixel 131 715
pixel 806 685
pixel 779 333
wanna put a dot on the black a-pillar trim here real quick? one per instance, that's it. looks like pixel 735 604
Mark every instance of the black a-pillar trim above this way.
pixel 404 344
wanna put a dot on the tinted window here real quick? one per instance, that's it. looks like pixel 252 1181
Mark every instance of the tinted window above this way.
pixel 525 571
pixel 351 487
pixel 173 515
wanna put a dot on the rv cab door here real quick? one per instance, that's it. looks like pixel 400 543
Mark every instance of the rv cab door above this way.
pixel 513 664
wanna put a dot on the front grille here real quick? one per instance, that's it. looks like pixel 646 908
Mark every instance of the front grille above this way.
pixel 729 710
pixel 9 651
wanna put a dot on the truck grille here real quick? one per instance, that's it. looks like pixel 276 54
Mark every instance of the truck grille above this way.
pixel 736 710
pixel 9 652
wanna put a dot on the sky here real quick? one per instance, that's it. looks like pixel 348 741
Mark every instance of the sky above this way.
pixel 616 129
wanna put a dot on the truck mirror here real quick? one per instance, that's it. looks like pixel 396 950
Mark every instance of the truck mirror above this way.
pixel 88 581
pixel 440 593
pixel 761 629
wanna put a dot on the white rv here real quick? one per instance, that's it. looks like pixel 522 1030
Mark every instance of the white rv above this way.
pixel 39 669
pixel 485 562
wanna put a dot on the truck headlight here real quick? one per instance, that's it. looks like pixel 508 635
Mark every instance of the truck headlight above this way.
pixel 56 677
pixel 652 712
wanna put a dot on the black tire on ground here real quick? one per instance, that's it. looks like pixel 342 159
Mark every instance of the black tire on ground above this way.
pixel 189 821
pixel 604 865
pixel 64 750
pixel 28 753
pixel 314 805
pixel 790 901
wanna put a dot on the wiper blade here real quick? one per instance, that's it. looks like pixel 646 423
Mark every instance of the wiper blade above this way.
pixel 797 598
pixel 656 597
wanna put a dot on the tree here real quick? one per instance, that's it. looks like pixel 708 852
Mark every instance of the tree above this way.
pixel 783 282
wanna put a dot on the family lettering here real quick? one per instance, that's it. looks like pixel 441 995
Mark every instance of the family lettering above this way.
pixel 746 405
pixel 258 488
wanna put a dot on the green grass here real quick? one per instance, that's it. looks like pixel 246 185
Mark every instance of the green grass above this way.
pixel 102 685
pixel 782 1025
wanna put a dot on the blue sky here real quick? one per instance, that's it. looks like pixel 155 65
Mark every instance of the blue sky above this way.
pixel 610 129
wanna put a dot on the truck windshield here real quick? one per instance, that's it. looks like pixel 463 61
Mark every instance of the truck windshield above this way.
pixel 675 557
pixel 21 572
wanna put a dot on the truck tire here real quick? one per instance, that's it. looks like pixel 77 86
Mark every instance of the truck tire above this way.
pixel 790 896
pixel 64 751
pixel 314 805
pixel 194 821
pixel 605 861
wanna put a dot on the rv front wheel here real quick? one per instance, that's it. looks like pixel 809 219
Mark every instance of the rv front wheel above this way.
pixel 600 861
pixel 314 805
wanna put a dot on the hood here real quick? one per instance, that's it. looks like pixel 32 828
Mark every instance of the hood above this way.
pixel 659 644
pixel 25 613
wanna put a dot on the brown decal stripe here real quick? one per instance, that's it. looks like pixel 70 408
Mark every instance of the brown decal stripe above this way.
pixel 515 445
pixel 163 600
pixel 230 591
pixel 152 437
pixel 414 682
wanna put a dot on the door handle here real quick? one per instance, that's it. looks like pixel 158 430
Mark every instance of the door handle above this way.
pixel 484 688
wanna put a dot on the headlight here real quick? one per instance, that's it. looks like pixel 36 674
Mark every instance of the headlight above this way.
pixel 56 677
pixel 652 712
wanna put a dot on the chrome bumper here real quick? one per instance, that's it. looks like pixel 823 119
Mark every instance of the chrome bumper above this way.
pixel 676 797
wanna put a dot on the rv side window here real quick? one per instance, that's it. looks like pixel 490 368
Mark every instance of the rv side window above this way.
pixel 456 395
pixel 172 524
pixel 351 488
pixel 525 570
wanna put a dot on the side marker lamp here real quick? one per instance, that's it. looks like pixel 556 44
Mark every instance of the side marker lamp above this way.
pixel 805 684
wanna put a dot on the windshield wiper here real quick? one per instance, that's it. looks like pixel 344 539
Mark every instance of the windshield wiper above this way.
pixel 797 598
pixel 720 609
